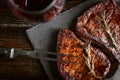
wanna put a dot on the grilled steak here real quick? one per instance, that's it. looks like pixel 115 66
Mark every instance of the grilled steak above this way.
pixel 101 25
pixel 90 62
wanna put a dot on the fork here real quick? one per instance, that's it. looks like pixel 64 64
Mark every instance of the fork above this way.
pixel 37 54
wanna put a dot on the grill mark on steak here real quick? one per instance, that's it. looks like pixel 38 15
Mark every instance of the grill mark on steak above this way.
pixel 68 43
pixel 89 23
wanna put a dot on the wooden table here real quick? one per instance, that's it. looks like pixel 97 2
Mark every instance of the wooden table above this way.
pixel 12 34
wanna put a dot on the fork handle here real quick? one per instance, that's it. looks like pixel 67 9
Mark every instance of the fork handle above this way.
pixel 5 51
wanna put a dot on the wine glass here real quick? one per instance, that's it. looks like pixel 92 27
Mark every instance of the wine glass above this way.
pixel 36 10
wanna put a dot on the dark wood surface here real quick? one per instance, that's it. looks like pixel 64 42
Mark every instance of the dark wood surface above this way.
pixel 12 34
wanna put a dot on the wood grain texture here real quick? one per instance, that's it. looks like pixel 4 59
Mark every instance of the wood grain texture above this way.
pixel 12 34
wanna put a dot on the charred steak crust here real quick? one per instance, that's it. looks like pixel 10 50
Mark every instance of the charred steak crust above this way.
pixel 101 24
pixel 68 43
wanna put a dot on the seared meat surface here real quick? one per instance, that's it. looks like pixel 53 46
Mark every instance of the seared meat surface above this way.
pixel 101 25
pixel 68 43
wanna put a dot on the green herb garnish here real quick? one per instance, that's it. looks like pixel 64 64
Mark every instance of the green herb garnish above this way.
pixel 89 61
pixel 108 31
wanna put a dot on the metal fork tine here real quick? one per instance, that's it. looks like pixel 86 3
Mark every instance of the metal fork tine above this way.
pixel 58 57
pixel 51 53
pixel 49 59
pixel 62 54
pixel 67 61
pixel 57 60
pixel 68 55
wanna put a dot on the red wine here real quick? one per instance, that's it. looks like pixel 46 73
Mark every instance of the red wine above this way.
pixel 32 5
pixel 31 9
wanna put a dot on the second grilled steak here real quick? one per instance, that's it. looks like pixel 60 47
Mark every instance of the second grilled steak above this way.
pixel 101 24
pixel 90 62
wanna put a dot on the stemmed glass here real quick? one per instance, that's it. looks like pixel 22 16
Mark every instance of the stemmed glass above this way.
pixel 36 10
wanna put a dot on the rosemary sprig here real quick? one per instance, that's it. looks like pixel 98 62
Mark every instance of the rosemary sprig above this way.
pixel 90 61
pixel 108 31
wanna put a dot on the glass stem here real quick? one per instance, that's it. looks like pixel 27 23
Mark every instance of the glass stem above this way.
pixel 26 1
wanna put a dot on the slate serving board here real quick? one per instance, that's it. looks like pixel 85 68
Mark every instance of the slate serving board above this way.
pixel 44 36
